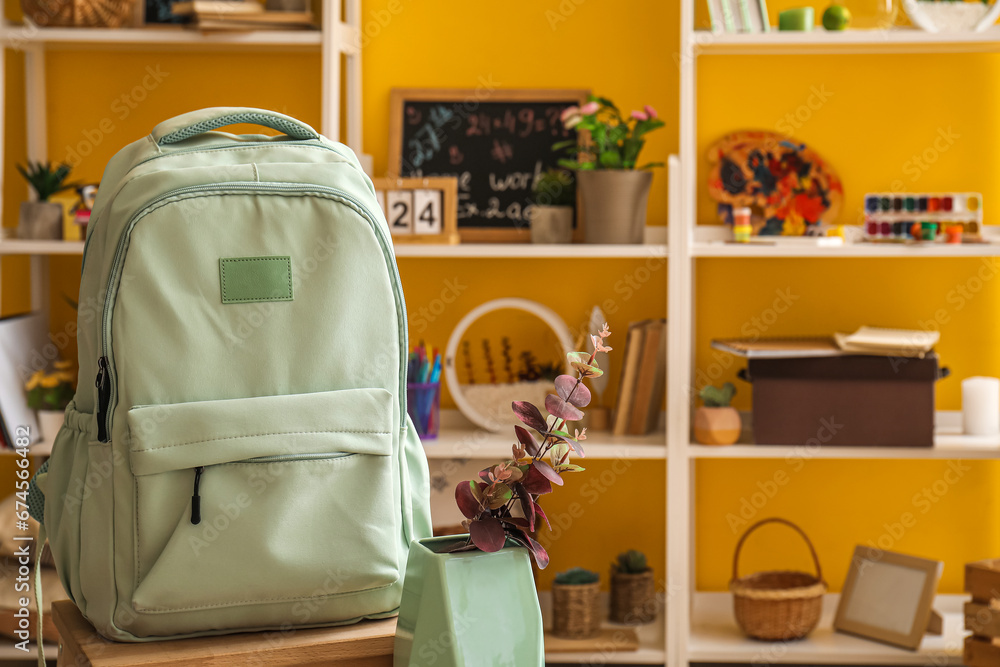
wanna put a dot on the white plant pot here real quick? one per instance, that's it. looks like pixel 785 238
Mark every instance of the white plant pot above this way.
pixel 944 16
pixel 49 423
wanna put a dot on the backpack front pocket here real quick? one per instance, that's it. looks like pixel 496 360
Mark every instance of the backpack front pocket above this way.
pixel 231 510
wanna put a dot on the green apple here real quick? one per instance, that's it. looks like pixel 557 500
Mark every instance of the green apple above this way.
pixel 836 17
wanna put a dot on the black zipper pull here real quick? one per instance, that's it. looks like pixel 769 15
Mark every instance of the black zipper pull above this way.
pixel 103 398
pixel 196 498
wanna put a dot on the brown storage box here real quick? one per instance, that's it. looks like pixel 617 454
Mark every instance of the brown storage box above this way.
pixel 844 400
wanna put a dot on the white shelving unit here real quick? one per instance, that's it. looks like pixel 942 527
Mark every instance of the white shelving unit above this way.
pixel 700 626
pixel 713 639
pixel 531 250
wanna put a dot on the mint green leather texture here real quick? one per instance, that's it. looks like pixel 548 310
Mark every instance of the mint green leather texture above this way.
pixel 236 459
pixel 468 609
pixel 245 279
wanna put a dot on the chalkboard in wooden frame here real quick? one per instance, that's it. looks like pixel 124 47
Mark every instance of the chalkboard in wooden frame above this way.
pixel 494 141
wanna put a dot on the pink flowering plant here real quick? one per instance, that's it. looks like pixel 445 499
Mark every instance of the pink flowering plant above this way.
pixel 615 141
pixel 503 502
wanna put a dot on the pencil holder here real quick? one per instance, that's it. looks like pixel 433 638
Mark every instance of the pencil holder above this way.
pixel 423 404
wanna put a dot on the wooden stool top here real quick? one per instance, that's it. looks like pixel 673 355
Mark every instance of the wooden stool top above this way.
pixel 365 644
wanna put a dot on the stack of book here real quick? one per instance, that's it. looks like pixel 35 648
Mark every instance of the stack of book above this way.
pixel 643 378
pixel 237 15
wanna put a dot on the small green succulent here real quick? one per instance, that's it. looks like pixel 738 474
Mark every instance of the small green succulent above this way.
pixel 45 179
pixel 577 576
pixel 631 562
pixel 717 397
pixel 555 187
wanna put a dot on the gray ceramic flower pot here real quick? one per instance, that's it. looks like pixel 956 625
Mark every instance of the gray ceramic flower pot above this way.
pixel 552 224
pixel 40 220
pixel 614 204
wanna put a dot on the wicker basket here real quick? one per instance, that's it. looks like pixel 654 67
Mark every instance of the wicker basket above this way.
pixel 79 13
pixel 777 605
pixel 633 598
pixel 576 611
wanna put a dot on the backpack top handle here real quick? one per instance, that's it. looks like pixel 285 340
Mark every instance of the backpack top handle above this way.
pixel 191 124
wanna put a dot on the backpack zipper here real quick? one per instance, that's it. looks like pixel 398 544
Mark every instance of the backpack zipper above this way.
pixel 199 471
pixel 104 365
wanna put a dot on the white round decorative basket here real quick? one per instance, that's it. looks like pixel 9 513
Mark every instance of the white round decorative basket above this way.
pixel 488 405
pixel 952 15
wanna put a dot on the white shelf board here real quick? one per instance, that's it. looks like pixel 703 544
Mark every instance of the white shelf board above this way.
pixel 711 241
pixel 531 250
pixel 949 443
pixel 715 637
pixel 651 641
pixel 819 41
pixel 480 444
pixel 473 250
pixel 27 247
pixel 458 438
pixel 17 34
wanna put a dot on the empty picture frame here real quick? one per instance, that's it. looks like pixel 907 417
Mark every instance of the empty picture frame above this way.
pixel 888 597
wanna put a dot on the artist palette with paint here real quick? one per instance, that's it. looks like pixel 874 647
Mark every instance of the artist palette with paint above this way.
pixel 935 217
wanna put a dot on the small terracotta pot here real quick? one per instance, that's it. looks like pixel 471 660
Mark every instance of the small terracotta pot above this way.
pixel 633 598
pixel 717 426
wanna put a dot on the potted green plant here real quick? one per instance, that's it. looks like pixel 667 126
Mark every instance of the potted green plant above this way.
pixel 463 592
pixel 43 219
pixel 633 589
pixel 576 609
pixel 614 187
pixel 554 195
pixel 717 422
pixel 49 394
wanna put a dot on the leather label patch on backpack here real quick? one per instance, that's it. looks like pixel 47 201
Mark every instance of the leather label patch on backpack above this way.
pixel 250 279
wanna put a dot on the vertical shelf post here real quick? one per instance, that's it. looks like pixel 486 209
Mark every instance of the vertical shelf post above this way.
pixel 330 68
pixel 680 476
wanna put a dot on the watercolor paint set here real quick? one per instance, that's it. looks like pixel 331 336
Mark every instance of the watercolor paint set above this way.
pixel 950 217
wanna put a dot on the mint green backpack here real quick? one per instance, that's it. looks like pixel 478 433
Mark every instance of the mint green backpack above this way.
pixel 237 456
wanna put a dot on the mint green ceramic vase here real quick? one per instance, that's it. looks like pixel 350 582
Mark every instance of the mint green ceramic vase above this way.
pixel 468 609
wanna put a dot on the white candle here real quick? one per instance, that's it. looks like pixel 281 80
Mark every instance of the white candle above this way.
pixel 981 405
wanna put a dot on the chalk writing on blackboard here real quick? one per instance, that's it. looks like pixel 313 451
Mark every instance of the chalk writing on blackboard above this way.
pixel 496 149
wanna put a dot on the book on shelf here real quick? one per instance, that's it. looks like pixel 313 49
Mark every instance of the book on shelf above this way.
pixel 258 21
pixel 866 340
pixel 641 386
pixel 889 342
pixel 216 8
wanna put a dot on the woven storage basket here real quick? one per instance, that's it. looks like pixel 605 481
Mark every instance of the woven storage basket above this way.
pixel 79 13
pixel 633 598
pixel 777 605
pixel 576 611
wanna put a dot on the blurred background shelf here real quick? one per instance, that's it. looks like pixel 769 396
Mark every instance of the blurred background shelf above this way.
pixel 716 638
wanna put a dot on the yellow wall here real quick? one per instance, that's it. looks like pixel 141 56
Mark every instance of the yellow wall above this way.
pixel 868 128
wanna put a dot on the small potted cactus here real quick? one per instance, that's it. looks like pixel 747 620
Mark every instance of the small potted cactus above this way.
pixel 554 195
pixel 633 590
pixel 43 219
pixel 576 611
pixel 717 422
